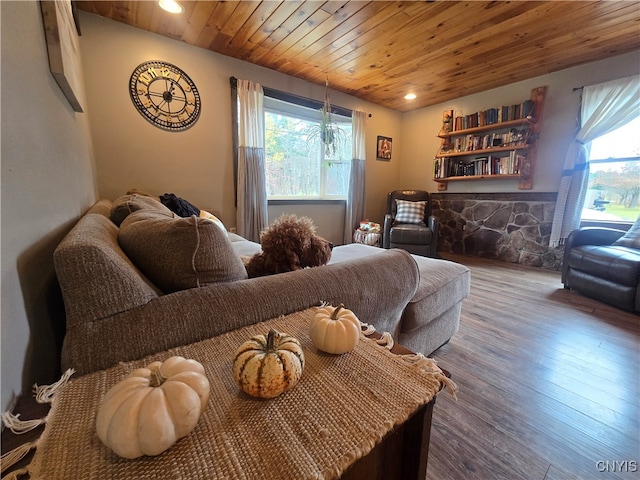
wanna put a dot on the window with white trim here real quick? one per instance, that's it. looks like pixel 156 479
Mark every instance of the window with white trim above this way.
pixel 297 164
pixel 613 193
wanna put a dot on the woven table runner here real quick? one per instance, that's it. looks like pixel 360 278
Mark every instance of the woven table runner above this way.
pixel 342 406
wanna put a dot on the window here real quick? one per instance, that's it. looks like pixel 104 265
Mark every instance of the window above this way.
pixel 613 193
pixel 297 164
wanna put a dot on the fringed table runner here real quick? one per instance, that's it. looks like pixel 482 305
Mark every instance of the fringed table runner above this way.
pixel 342 406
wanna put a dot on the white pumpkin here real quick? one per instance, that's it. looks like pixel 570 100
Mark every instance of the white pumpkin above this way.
pixel 334 329
pixel 153 407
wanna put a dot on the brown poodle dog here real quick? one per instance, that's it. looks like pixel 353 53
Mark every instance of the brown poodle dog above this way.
pixel 290 243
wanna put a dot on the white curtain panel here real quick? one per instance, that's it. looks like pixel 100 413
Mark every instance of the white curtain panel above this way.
pixel 605 107
pixel 354 211
pixel 252 214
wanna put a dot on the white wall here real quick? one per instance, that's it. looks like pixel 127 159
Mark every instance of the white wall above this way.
pixel 195 164
pixel 47 182
pixel 421 127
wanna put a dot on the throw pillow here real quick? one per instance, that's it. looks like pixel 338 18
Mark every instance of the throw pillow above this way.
pixel 210 216
pixel 140 192
pixel 133 202
pixel 178 253
pixel 410 212
pixel 631 239
pixel 178 205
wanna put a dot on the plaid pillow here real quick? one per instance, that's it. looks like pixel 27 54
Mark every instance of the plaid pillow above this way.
pixel 631 239
pixel 410 212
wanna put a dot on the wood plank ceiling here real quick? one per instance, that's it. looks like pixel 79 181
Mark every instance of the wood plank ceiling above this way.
pixel 379 51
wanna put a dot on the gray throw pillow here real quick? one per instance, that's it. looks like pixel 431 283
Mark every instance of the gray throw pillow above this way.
pixel 178 253
pixel 631 239
pixel 132 202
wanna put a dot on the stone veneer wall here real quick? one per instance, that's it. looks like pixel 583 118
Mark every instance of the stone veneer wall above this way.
pixel 512 227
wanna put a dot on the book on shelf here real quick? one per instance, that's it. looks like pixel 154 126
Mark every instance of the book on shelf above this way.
pixel 469 143
pixel 511 164
pixel 491 143
pixel 528 108
pixel 492 116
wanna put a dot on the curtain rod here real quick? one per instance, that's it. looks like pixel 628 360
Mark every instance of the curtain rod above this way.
pixel 577 88
pixel 298 100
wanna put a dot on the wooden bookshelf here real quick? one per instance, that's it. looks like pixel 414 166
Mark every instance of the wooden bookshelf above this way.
pixel 522 154
pixel 484 151
pixel 486 128
pixel 500 176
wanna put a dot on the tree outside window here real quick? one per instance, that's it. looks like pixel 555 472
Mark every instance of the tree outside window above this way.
pixel 614 176
pixel 296 162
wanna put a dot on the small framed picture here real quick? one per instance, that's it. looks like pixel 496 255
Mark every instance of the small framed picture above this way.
pixel 383 148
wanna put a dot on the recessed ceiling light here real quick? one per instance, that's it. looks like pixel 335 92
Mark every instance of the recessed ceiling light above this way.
pixel 171 6
pixel 410 96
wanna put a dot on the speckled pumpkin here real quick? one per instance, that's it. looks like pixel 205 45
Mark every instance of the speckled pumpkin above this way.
pixel 265 367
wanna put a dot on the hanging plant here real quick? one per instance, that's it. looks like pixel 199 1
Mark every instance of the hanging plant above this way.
pixel 327 133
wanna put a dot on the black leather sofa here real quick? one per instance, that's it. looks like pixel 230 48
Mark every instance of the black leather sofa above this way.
pixel 596 266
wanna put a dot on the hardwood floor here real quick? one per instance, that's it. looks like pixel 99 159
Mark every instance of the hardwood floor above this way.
pixel 549 383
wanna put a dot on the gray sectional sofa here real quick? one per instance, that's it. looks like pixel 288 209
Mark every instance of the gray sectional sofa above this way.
pixel 132 286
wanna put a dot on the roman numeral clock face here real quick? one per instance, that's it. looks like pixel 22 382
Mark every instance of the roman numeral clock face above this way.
pixel 165 95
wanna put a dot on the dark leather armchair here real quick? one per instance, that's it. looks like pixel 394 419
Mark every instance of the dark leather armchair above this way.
pixel 596 266
pixel 419 238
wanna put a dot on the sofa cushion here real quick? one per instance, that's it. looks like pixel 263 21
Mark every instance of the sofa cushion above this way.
pixel 615 263
pixel 243 247
pixel 353 251
pixel 443 284
pixel 178 253
pixel 132 202
pixel 631 239
pixel 410 233
pixel 96 277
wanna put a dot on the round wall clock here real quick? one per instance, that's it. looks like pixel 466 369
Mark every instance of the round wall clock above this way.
pixel 164 95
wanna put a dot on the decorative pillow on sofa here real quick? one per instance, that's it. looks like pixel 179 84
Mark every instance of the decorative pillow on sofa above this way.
pixel 177 253
pixel 631 239
pixel 132 202
pixel 410 212
pixel 210 216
